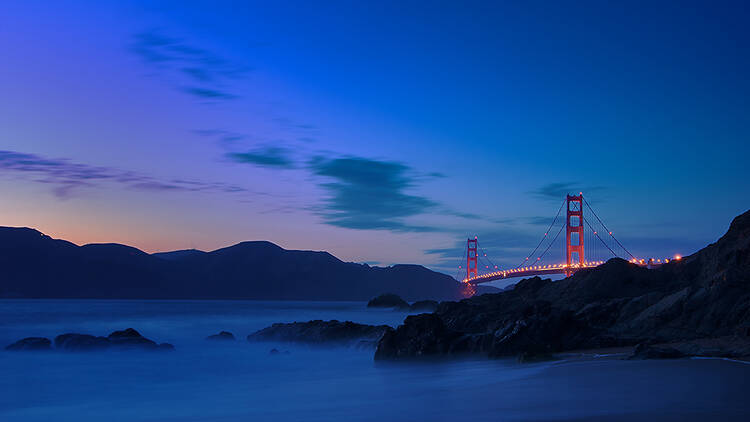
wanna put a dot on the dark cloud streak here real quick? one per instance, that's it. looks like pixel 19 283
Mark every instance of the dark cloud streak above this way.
pixel 197 71
pixel 369 194
pixel 66 177
pixel 558 190
pixel 274 157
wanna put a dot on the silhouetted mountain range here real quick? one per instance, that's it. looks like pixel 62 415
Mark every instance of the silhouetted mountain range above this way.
pixel 37 266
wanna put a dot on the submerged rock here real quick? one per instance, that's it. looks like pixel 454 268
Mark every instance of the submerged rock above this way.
pixel 80 342
pixel 124 339
pixel 30 343
pixel 165 347
pixel 131 339
pixel 388 300
pixel 319 332
pixel 74 342
pixel 223 335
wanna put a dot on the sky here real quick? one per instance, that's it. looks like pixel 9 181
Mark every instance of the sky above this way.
pixel 382 132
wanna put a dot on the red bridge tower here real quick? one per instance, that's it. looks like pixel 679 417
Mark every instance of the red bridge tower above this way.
pixel 471 257
pixel 574 231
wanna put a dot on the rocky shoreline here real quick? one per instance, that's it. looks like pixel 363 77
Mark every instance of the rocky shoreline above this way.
pixel 698 306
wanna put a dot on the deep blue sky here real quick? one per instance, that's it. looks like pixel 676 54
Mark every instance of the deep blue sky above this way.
pixel 381 131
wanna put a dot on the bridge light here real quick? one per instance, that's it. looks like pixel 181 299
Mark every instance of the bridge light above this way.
pixel 677 257
pixel 610 233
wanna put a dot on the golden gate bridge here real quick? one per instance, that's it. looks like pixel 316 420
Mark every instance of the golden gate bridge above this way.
pixel 582 248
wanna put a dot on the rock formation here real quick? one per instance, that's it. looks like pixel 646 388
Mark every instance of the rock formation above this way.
pixel 222 336
pixel 30 344
pixel 321 332
pixel 388 300
pixel 128 339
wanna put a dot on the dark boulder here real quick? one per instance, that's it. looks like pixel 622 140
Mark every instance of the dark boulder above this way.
pixel 80 342
pixel 131 339
pixel 222 336
pixel 319 332
pixel 388 300
pixel 165 347
pixel 124 339
pixel 420 335
pixel 424 306
pixel 30 343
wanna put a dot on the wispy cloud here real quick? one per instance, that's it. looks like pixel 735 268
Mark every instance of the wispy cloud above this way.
pixel 274 157
pixel 558 190
pixel 209 94
pixel 226 139
pixel 67 177
pixel 538 220
pixel 196 71
pixel 287 123
pixel 369 194
pixel 362 193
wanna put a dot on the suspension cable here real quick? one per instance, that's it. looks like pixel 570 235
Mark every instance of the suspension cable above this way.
pixel 466 256
pixel 598 237
pixel 543 237
pixel 608 230
pixel 551 243
pixel 492 264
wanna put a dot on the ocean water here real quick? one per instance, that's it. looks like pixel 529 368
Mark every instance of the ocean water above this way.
pixel 242 381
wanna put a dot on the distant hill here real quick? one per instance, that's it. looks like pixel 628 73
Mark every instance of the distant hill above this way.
pixel 37 266
pixel 174 255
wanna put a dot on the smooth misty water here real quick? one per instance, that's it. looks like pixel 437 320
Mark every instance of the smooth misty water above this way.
pixel 241 381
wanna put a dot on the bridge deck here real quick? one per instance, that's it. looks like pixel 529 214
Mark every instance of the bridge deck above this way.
pixel 544 270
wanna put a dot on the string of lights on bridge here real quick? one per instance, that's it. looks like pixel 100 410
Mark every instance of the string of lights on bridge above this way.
pixel 575 209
